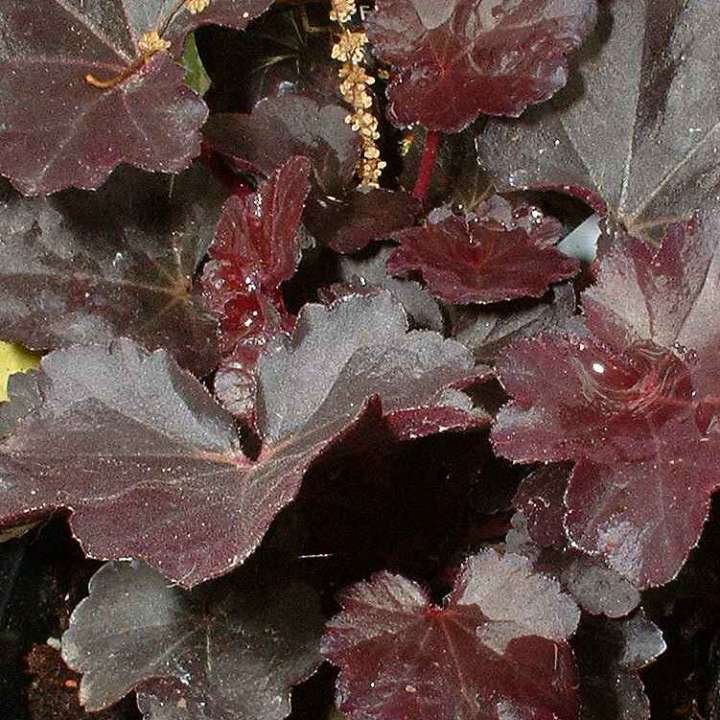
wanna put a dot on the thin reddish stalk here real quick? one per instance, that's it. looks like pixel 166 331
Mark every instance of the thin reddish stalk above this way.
pixel 427 164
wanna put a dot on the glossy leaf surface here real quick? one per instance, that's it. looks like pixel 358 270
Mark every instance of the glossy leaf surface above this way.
pixel 650 160
pixel 458 59
pixel 497 647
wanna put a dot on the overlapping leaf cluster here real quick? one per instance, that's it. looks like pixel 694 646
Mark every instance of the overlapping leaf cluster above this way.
pixel 250 363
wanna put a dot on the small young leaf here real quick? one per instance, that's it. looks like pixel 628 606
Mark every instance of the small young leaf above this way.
pixel 196 77
pixel 473 259
pixel 231 649
pixel 495 649
pixel 459 59
pixel 256 248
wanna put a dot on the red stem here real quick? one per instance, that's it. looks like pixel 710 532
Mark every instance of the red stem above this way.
pixel 427 163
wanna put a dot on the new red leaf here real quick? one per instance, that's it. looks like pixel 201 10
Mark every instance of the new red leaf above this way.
pixel 57 129
pixel 458 59
pixel 287 125
pixel 231 649
pixel 256 248
pixel 150 467
pixel 466 259
pixel 638 143
pixel 632 399
pixel 496 648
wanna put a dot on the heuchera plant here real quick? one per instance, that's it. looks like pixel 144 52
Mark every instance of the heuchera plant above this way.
pixel 339 419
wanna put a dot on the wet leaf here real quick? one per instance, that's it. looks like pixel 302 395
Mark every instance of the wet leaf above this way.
pixel 466 259
pixel 496 648
pixel 256 248
pixel 640 144
pixel 631 398
pixel 459 59
pixel 231 649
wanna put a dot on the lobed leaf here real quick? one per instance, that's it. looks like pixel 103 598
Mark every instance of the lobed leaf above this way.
pixel 466 259
pixel 150 467
pixel 638 144
pixel 496 647
pixel 631 398
pixel 232 649
pixel 458 59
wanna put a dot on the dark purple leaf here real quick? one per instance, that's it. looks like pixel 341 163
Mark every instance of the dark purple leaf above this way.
pixel 486 331
pixel 85 268
pixel 256 248
pixel 150 466
pixel 296 124
pixel 351 223
pixel 632 399
pixel 281 127
pixel 496 648
pixel 610 655
pixel 459 59
pixel 231 649
pixel 641 143
pixel 58 130
pixel 468 258
pixel 368 274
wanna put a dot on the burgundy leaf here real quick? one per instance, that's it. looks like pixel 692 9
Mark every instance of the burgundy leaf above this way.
pixel 632 399
pixel 150 466
pixel 459 59
pixel 84 268
pixel 281 127
pixel 256 248
pixel 496 648
pixel 360 217
pixel 58 129
pixel 639 144
pixel 231 649
pixel 467 259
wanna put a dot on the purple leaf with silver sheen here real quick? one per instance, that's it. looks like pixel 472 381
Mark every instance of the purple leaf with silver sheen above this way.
pixel 58 130
pixel 461 58
pixel 88 267
pixel 495 649
pixel 636 131
pixel 150 467
pixel 231 650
